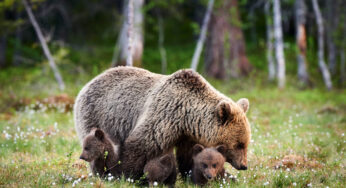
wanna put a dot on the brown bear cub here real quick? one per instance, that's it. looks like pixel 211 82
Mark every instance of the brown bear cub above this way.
pixel 161 170
pixel 208 163
pixel 101 152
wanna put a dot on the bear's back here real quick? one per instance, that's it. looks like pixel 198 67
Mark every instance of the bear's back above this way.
pixel 107 100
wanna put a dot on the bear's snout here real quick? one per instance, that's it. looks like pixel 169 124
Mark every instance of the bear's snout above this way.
pixel 243 167
pixel 82 157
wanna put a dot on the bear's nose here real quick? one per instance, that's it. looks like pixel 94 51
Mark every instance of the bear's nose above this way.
pixel 243 167
pixel 209 176
pixel 81 157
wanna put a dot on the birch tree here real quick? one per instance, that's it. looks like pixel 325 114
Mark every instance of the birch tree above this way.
pixel 279 47
pixel 202 36
pixel 270 37
pixel 321 62
pixel 44 45
pixel 129 34
pixel 120 53
pixel 300 18
pixel 332 21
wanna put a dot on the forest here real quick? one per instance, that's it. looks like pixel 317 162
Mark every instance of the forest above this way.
pixel 286 56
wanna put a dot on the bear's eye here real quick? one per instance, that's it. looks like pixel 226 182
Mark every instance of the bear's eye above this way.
pixel 214 165
pixel 86 148
pixel 204 165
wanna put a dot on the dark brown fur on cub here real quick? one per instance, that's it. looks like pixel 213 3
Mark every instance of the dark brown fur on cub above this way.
pixel 100 152
pixel 208 163
pixel 161 170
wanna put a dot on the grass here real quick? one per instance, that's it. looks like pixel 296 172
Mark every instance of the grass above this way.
pixel 39 146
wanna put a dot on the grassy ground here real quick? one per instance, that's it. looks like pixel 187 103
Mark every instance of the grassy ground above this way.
pixel 298 136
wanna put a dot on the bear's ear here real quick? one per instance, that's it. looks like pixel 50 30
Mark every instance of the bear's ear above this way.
pixel 244 104
pixel 165 160
pixel 99 134
pixel 224 112
pixel 197 149
pixel 221 149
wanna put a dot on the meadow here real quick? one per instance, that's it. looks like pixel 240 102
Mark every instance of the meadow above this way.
pixel 298 136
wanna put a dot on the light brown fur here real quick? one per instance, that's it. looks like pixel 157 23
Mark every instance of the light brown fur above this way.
pixel 208 163
pixel 152 113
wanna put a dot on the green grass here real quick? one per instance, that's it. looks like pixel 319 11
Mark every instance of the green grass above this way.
pixel 39 146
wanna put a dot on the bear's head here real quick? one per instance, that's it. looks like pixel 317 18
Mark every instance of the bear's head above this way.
pixel 208 161
pixel 234 131
pixel 93 145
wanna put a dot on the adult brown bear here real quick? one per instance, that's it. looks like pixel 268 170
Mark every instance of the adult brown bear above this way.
pixel 151 113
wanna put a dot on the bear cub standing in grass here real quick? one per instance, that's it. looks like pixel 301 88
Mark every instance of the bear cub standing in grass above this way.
pixel 162 170
pixel 101 152
pixel 208 163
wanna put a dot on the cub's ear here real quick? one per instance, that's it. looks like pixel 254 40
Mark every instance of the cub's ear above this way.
pixel 221 149
pixel 99 134
pixel 197 149
pixel 224 112
pixel 244 104
pixel 166 160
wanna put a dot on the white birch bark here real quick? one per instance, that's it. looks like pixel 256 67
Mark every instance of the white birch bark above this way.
pixel 120 52
pixel 129 61
pixel 279 47
pixel 202 36
pixel 44 45
pixel 270 37
pixel 321 61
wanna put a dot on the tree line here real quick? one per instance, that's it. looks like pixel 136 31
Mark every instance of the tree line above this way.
pixel 221 37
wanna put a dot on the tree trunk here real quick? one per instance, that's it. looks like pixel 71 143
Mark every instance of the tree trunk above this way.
pixel 137 36
pixel 300 16
pixel 321 63
pixel 202 36
pixel 225 48
pixel 270 37
pixel 279 47
pixel 129 34
pixel 331 17
pixel 44 45
pixel 160 44
pixel 18 41
pixel 3 45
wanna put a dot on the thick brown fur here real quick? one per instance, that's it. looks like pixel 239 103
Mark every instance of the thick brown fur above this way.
pixel 208 163
pixel 162 170
pixel 152 113
pixel 101 152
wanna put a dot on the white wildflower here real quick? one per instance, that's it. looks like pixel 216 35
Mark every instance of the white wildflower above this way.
pixel 155 183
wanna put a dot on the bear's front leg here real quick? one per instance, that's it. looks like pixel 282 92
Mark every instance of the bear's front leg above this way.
pixel 134 157
pixel 184 156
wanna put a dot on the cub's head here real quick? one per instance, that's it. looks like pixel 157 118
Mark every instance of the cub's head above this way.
pixel 234 131
pixel 208 161
pixel 158 169
pixel 93 145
